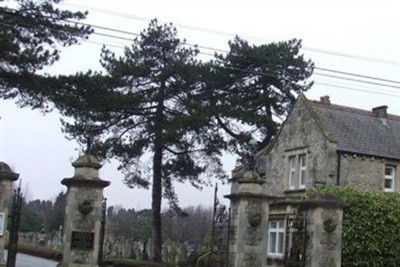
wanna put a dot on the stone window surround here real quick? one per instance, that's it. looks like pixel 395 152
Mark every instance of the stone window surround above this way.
pixel 296 154
pixel 277 230
pixel 392 177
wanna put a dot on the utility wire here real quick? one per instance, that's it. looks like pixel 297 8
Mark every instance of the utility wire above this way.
pixel 357 75
pixel 224 51
pixel 244 70
pixel 265 74
pixel 316 50
pixel 356 80
pixel 316 73
pixel 354 88
pixel 258 57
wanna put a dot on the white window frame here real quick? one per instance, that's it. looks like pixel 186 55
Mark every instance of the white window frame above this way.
pixel 276 250
pixel 302 171
pixel 297 171
pixel 292 172
pixel 390 177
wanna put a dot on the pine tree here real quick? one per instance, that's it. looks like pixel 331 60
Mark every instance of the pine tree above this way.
pixel 31 35
pixel 144 105
pixel 251 89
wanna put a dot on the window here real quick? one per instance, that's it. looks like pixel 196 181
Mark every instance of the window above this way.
pixel 292 173
pixel 276 232
pixel 298 172
pixel 389 178
pixel 303 171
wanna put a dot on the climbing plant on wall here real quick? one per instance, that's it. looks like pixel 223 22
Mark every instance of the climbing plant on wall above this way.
pixel 371 232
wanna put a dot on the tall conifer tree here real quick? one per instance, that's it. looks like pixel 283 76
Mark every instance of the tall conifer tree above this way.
pixel 143 106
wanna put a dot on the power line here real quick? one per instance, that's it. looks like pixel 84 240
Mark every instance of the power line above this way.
pixel 355 80
pixel 112 36
pixel 357 75
pixel 316 73
pixel 104 44
pixel 244 70
pixel 316 50
pixel 225 51
pixel 104 28
pixel 354 89
pixel 272 75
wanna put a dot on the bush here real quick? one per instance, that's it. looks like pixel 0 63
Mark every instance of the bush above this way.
pixel 371 227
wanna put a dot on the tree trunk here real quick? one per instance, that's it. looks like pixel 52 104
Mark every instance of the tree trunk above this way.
pixel 156 204
pixel 157 176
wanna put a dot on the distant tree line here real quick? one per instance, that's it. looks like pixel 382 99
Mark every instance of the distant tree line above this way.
pixel 192 226
pixel 43 214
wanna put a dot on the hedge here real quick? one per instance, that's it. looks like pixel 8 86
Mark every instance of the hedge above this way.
pixel 371 226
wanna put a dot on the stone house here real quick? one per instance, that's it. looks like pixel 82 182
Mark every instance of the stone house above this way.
pixel 324 143
pixel 319 143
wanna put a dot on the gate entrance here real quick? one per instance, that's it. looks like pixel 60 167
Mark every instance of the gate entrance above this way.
pixel 14 223
pixel 220 234
pixel 296 235
pixel 102 231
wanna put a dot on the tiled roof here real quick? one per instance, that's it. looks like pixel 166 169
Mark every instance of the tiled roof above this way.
pixel 360 131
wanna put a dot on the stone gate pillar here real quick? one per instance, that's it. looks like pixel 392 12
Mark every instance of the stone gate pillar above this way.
pixel 249 219
pixel 82 221
pixel 7 177
pixel 324 217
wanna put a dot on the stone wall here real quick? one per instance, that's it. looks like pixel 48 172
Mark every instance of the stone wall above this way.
pixel 324 221
pixel 249 220
pixel 83 214
pixel 366 173
pixel 322 227
pixel 300 134
pixel 248 236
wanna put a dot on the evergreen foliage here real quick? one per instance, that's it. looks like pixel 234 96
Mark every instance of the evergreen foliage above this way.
pixel 31 36
pixel 157 99
pixel 38 214
pixel 251 89
pixel 371 236
pixel 145 106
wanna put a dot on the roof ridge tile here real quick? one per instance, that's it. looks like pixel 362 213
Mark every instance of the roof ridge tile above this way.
pixel 351 109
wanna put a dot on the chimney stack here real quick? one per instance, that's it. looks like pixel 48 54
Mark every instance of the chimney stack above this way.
pixel 380 112
pixel 325 99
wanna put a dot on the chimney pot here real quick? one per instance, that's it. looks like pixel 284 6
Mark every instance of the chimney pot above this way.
pixel 325 99
pixel 380 112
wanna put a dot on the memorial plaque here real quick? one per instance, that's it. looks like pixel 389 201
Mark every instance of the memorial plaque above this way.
pixel 82 240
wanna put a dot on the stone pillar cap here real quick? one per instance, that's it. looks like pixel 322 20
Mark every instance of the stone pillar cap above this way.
pixel 323 200
pixel 250 176
pixel 87 160
pixel 7 173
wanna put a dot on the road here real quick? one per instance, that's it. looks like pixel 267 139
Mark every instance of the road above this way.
pixel 24 260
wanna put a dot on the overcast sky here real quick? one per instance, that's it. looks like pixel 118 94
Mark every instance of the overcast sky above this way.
pixel 358 37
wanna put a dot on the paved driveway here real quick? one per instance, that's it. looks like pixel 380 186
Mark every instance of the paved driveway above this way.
pixel 24 260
